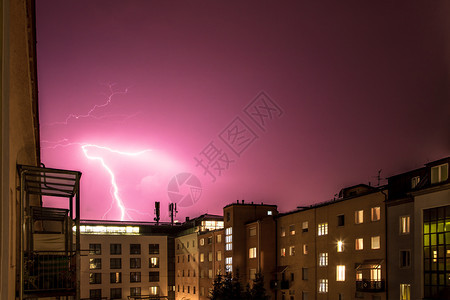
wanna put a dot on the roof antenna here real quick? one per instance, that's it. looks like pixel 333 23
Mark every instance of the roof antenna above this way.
pixel 379 176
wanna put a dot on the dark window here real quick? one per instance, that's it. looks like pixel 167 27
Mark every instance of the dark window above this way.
pixel 115 249
pixel 116 293
pixel 95 249
pixel 228 216
pixel 292 277
pixel 115 277
pixel 135 263
pixel 153 276
pixel 95 263
pixel 209 240
pixel 95 294
pixel 115 263
pixel 135 291
pixel 341 220
pixel 95 278
pixel 135 276
pixel 405 258
pixel 153 249
pixel 135 248
pixel 305 273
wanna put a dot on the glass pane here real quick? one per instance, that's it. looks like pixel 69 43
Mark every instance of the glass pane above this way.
pixel 426 228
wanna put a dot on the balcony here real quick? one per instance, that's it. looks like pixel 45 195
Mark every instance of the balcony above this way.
pixel 370 286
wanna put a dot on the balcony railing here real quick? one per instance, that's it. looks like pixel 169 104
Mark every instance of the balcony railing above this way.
pixel 49 272
pixel 370 286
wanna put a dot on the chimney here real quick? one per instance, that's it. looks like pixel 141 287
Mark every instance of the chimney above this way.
pixel 242 201
pixel 187 219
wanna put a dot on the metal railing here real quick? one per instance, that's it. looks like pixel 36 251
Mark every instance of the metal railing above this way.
pixel 370 286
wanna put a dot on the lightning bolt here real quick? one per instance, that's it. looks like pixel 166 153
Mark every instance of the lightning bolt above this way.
pixel 114 186
pixel 89 113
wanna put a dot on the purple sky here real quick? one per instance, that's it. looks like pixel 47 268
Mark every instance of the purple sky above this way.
pixel 131 93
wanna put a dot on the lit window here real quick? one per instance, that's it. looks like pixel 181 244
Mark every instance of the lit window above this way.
pixel 115 277
pixel 252 231
pixel 252 274
pixel 154 262
pixel 202 257
pixel 322 229
pixel 375 213
pixel 323 285
pixel 95 278
pixel 305 249
pixel 210 256
pixel 252 252
pixel 153 290
pixel 323 259
pixel 404 224
pixel 228 264
pixel 359 275
pixel 375 273
pixel 305 226
pixel 405 291
pixel 439 173
pixel 283 232
pixel 292 229
pixel 375 242
pixel 283 251
pixel 340 246
pixel 359 216
pixel 210 273
pixel 95 263
pixel 229 238
pixel 219 238
pixel 359 244
pixel 340 273
pixel 202 242
pixel 219 255
pixel 292 250
pixel 269 212
pixel 415 181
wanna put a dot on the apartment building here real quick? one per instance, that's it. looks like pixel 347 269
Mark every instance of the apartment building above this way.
pixel 211 261
pixel 127 260
pixel 334 250
pixel 418 220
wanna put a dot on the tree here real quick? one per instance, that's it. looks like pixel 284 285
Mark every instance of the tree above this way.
pixel 258 291
pixel 229 288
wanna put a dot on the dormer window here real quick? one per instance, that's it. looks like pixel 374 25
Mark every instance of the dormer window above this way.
pixel 415 181
pixel 439 173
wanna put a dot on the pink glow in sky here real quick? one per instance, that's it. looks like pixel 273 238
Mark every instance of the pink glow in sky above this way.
pixel 133 93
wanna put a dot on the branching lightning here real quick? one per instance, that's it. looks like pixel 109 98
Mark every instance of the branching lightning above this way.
pixel 114 187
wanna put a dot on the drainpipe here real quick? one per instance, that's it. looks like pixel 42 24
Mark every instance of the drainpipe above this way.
pixel 386 246
pixel 22 235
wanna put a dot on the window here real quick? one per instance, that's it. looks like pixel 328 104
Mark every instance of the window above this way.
pixel 415 181
pixel 340 246
pixel 404 224
pixel 228 264
pixel 359 275
pixel 154 262
pixel 375 273
pixel 193 290
pixel 341 220
pixel 153 248
pixel 292 229
pixel 135 263
pixel 405 291
pixel 188 258
pixel 95 263
pixel 155 291
pixel 95 249
pixel 359 244
pixel 283 251
pixel 439 173
pixel 375 213
pixel 219 255
pixel 304 273
pixel 115 263
pixel 135 248
pixel 283 232
pixel 292 250
pixel 322 229
pixel 219 238
pixel 252 231
pixel 292 277
pixel 252 274
pixel 115 293
pixel 115 277
pixel 323 285
pixel 269 212
pixel 375 242
pixel 202 242
pixel 209 240
pixel 135 276
pixel 95 294
pixel 229 239
pixel 323 259
pixel 202 257
pixel 210 273
pixel 359 216
pixel 252 252
pixel 95 278
pixel 210 256
pixel 305 226
pixel 305 296
pixel 405 258
pixel 115 249
pixel 340 273
pixel 135 291
pixel 305 249
pixel 153 276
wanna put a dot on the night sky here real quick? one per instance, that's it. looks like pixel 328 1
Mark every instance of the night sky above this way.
pixel 207 102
